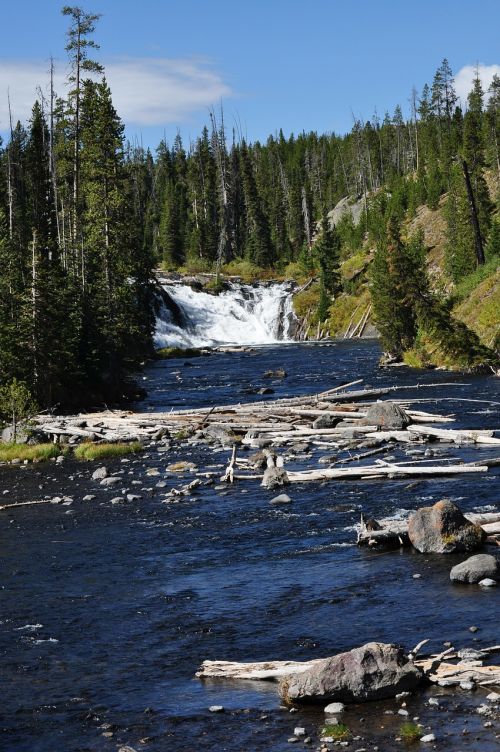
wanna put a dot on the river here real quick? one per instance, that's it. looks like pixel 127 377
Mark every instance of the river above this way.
pixel 107 610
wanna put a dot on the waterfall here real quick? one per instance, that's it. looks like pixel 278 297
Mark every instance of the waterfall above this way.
pixel 241 315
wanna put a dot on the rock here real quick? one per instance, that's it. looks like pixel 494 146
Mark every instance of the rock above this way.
pixel 274 477
pixel 112 480
pixel 326 421
pixel 265 390
pixel 299 731
pixel 428 738
pixel 493 697
pixel 258 460
pixel 216 708
pixel 100 473
pixel 279 373
pixel 88 497
pixel 469 686
pixel 374 671
pixel 443 529
pixel 386 415
pixel 473 628
pixel 22 435
pixel 281 499
pixel 487 582
pixel 476 568
pixel 334 708
pixel 180 467
pixel 216 433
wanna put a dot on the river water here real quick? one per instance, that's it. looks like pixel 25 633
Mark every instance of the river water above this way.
pixel 107 610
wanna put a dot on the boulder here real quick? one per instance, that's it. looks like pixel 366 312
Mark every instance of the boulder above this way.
pixel 274 477
pixel 326 421
pixel 374 671
pixel 476 568
pixel 100 473
pixel 386 415
pixel 443 529
pixel 22 434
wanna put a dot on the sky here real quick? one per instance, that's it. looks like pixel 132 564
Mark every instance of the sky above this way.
pixel 273 64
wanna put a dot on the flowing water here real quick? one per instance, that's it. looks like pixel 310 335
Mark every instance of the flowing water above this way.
pixel 243 315
pixel 107 610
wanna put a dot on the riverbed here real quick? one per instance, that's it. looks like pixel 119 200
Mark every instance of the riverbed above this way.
pixel 107 610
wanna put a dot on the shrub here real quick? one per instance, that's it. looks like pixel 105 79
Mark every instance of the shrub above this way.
pixel 178 352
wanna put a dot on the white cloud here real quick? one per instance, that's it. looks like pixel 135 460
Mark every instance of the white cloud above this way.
pixel 466 75
pixel 146 91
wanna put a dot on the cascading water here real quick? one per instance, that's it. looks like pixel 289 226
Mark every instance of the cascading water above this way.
pixel 241 315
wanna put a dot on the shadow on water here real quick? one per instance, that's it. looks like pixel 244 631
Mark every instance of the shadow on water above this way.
pixel 107 610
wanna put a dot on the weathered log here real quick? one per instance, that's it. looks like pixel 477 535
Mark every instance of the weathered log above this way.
pixel 391 471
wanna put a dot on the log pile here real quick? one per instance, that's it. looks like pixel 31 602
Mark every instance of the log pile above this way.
pixel 446 669
pixel 290 423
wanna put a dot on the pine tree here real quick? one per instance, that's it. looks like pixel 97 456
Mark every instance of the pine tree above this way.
pixel 327 251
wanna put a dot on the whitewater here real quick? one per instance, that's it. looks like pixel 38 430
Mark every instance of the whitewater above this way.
pixel 241 315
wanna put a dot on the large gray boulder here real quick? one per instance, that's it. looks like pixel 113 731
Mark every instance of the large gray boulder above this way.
pixel 476 568
pixel 386 415
pixel 374 671
pixel 443 529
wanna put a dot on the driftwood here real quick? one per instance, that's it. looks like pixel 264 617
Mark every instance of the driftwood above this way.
pixel 288 421
pixel 438 668
pixel 394 533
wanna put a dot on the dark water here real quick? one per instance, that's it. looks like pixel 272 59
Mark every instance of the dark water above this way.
pixel 107 610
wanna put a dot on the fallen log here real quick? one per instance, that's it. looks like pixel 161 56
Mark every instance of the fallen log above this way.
pixel 392 471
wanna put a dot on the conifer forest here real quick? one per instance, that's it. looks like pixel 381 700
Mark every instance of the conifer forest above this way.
pixel 87 216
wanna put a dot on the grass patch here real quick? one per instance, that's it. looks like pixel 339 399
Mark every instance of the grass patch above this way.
pixel 467 285
pixel 30 452
pixel 90 451
pixel 480 309
pixel 410 732
pixel 216 285
pixel 338 731
pixel 178 352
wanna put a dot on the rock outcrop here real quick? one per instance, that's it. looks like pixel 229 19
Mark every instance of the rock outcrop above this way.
pixel 374 671
pixel 443 529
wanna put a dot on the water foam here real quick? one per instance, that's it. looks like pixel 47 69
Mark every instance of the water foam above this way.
pixel 242 315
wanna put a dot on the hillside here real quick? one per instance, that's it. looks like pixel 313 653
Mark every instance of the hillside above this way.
pixel 475 301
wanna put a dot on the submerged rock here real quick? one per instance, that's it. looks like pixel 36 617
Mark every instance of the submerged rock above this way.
pixel 374 671
pixel 386 415
pixel 443 529
pixel 476 568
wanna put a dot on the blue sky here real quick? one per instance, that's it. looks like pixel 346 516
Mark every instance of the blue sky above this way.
pixel 276 64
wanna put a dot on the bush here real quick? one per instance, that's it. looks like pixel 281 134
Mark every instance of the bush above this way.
pixel 178 352
pixel 247 270
pixel 16 404
pixel 91 451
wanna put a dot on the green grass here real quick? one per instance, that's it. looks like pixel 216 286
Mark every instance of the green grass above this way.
pixel 91 451
pixel 466 286
pixel 30 452
pixel 410 732
pixel 178 352
pixel 338 731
